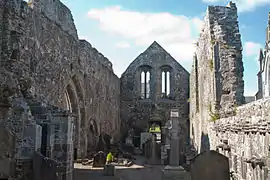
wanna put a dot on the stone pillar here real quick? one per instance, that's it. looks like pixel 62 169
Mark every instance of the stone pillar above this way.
pixel 174 171
pixel 175 131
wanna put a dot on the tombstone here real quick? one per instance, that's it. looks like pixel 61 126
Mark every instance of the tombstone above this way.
pixel 144 137
pixel 99 159
pixel 109 170
pixel 175 138
pixel 210 165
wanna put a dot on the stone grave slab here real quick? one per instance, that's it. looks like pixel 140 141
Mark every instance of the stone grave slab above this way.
pixel 99 159
pixel 210 165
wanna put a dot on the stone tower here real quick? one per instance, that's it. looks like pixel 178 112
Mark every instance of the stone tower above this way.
pixel 216 82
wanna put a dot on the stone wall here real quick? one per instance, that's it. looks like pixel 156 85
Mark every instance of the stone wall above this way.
pixel 264 60
pixel 43 64
pixel 245 139
pixel 136 112
pixel 216 82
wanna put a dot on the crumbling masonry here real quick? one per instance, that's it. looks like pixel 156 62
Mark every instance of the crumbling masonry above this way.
pixel 51 82
pixel 58 94
pixel 219 120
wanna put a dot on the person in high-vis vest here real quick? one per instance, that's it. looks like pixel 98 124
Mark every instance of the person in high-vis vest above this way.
pixel 109 158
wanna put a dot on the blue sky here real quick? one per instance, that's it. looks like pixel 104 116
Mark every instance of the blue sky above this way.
pixel 122 29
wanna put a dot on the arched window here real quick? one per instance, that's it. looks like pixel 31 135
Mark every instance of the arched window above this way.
pixel 145 84
pixel 68 103
pixel 165 83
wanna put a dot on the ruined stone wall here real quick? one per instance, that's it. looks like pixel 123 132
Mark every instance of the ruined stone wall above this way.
pixel 42 59
pixel 264 60
pixel 217 77
pixel 136 112
pixel 245 139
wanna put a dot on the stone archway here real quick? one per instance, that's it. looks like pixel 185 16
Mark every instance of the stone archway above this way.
pixel 92 136
pixel 74 102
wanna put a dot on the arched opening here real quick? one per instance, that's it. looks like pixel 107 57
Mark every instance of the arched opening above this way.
pixel 145 84
pixel 92 136
pixel 165 81
pixel 74 102
pixel 166 88
pixel 71 104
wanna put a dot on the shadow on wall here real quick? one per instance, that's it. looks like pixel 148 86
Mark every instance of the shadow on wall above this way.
pixel 205 144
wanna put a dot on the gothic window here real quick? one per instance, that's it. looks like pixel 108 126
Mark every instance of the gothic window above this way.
pixel 165 83
pixel 68 103
pixel 145 84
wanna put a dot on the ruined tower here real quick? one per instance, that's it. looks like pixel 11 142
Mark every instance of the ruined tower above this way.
pixel 216 83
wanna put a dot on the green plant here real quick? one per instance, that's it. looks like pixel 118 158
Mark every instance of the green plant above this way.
pixel 213 41
pixel 235 109
pixel 211 64
pixel 213 115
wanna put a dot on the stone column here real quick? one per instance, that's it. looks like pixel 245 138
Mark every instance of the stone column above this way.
pixel 174 171
pixel 175 138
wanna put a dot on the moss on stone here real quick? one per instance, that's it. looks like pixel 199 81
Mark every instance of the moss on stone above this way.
pixel 213 115
pixel 211 64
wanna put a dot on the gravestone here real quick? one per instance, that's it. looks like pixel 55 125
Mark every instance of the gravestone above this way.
pixel 175 138
pixel 99 159
pixel 109 170
pixel 210 165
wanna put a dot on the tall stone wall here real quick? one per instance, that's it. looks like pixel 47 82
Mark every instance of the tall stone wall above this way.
pixel 43 59
pixel 216 83
pixel 138 113
pixel 245 139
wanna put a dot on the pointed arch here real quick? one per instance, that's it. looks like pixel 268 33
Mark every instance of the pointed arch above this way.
pixel 74 102
pixel 92 135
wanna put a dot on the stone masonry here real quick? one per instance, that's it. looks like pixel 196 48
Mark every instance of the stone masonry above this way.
pixel 245 139
pixel 137 113
pixel 264 61
pixel 216 82
pixel 219 120
pixel 50 78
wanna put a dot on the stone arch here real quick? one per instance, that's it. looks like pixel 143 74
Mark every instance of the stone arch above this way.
pixel 166 79
pixel 74 102
pixel 145 78
pixel 92 136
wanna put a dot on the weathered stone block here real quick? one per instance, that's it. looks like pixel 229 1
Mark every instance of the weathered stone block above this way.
pixel 109 170
pixel 210 165
pixel 175 173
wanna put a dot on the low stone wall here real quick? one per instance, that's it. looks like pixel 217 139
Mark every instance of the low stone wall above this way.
pixel 245 139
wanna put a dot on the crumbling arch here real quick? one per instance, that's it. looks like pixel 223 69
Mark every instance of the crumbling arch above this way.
pixel 92 135
pixel 74 102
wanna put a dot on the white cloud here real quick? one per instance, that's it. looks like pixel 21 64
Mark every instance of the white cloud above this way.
pixel 176 33
pixel 243 5
pixel 122 44
pixel 251 49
